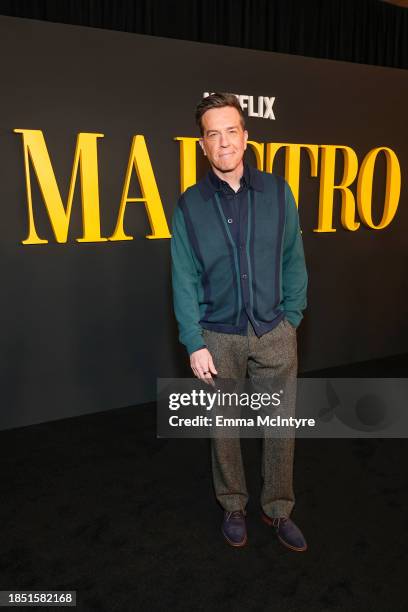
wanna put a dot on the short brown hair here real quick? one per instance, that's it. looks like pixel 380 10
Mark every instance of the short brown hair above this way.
pixel 217 100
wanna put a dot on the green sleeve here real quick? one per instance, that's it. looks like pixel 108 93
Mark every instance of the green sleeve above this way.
pixel 185 281
pixel 294 274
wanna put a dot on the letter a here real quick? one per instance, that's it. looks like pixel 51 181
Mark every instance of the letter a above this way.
pixel 140 160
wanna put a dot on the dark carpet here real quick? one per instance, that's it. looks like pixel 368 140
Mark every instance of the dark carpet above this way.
pixel 99 505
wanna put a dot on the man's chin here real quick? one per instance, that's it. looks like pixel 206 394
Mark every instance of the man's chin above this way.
pixel 227 166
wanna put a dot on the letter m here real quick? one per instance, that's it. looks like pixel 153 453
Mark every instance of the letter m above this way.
pixel 86 158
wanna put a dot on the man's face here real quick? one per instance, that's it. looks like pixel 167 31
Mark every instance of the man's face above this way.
pixel 223 141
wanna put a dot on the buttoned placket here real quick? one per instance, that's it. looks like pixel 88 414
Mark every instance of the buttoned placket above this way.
pixel 237 217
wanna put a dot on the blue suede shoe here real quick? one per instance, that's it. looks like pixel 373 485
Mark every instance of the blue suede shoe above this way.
pixel 288 533
pixel 234 528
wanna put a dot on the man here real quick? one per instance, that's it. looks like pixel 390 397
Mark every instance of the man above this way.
pixel 239 286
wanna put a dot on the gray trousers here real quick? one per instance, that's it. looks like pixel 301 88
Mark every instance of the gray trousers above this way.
pixel 274 356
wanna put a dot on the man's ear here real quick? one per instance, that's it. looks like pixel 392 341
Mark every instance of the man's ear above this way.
pixel 201 143
pixel 246 138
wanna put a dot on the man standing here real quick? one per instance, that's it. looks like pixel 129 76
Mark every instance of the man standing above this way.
pixel 239 287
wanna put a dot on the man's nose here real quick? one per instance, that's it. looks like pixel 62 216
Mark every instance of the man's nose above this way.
pixel 224 142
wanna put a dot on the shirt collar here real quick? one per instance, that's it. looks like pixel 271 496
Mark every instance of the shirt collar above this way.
pixel 212 183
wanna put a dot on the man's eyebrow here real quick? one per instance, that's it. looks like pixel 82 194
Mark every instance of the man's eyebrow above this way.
pixel 230 127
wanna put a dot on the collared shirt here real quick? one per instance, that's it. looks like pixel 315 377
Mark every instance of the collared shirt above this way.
pixel 232 202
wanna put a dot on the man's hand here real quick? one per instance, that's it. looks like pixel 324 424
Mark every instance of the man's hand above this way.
pixel 203 366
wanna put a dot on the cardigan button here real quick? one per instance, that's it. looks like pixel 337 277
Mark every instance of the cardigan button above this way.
pixel 229 220
pixel 244 276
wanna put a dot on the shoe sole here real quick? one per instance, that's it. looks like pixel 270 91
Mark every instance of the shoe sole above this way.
pixel 268 521
pixel 234 544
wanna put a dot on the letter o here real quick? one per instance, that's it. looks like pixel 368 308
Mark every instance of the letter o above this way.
pixel 365 187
